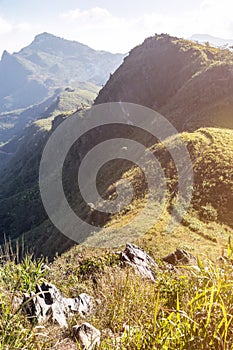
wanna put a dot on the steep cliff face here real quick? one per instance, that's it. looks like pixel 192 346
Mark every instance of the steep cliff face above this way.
pixel 190 84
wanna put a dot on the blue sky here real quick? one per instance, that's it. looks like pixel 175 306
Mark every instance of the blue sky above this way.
pixel 116 26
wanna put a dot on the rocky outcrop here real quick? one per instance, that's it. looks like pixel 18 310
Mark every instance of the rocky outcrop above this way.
pixel 180 257
pixel 48 304
pixel 145 266
pixel 142 263
pixel 87 336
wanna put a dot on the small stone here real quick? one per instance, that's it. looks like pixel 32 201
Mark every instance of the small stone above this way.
pixel 86 304
pixel 83 304
pixel 87 335
pixel 16 302
pixel 180 257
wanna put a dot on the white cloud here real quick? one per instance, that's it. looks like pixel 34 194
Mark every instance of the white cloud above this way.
pixel 23 27
pixel 215 17
pixel 5 27
pixel 101 29
pixel 98 28
pixel 216 5
pixel 96 14
pixel 13 35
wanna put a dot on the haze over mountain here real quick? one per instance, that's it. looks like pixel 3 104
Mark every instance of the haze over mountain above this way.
pixel 49 63
pixel 212 40
pixel 11 123
pixel 33 77
pixel 191 85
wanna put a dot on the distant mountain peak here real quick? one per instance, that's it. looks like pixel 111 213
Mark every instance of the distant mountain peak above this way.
pixel 204 36
pixel 47 63
pixel 5 54
pixel 214 41
pixel 45 36
pixel 50 43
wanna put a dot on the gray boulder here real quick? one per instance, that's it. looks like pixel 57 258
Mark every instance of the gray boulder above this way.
pixel 48 304
pixel 87 335
pixel 180 257
pixel 142 263
pixel 83 304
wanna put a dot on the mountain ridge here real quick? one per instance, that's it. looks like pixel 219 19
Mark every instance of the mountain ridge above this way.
pixel 165 72
pixel 212 40
pixel 47 65
pixel 179 78
pixel 49 38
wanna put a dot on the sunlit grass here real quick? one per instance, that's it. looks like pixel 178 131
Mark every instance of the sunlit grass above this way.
pixel 190 308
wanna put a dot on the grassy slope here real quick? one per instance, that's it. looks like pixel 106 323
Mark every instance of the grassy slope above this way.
pixel 190 67
pixel 183 310
pixel 187 309
pixel 209 219
pixel 68 99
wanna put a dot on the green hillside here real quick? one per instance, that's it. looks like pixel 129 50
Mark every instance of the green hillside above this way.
pixel 209 216
pixel 67 99
pixel 208 222
pixel 186 305
pixel 211 152
pixel 190 84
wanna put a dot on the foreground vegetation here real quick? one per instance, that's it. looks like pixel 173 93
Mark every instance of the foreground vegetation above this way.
pixel 186 308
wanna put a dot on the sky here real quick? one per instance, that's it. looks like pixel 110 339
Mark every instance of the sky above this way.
pixel 115 26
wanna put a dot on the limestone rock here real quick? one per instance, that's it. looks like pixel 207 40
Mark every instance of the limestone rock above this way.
pixel 180 257
pixel 83 304
pixel 87 335
pixel 48 304
pixel 140 260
